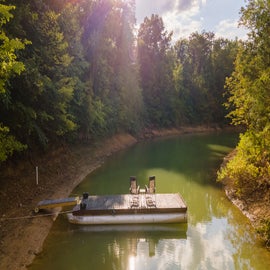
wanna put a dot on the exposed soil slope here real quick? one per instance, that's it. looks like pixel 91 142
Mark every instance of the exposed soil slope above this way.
pixel 60 172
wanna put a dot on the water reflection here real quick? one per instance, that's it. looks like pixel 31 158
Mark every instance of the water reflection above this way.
pixel 113 247
pixel 218 236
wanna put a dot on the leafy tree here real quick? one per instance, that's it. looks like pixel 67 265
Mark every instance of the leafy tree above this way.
pixel 38 110
pixel 81 106
pixel 249 99
pixel 108 43
pixel 182 81
pixel 8 144
pixel 223 56
pixel 81 79
pixel 8 57
pixel 156 71
pixel 130 103
pixel 9 66
pixel 205 63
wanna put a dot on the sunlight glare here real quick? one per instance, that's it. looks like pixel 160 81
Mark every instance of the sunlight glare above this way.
pixel 131 263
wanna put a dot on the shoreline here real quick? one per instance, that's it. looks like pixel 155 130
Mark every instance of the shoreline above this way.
pixel 256 207
pixel 60 171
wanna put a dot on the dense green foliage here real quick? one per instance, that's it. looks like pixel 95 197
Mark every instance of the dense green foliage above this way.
pixel 249 89
pixel 156 71
pixel 205 63
pixel 8 67
pixel 250 98
pixel 77 71
pixel 184 83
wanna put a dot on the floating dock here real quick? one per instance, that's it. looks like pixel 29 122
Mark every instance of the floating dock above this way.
pixel 141 208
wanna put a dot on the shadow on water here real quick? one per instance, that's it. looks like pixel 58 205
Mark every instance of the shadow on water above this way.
pixel 185 155
pixel 148 232
pixel 193 157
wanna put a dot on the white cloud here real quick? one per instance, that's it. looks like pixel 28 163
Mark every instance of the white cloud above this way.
pixel 181 27
pixel 207 247
pixel 184 17
pixel 178 16
pixel 229 29
pixel 164 7
pixel 203 2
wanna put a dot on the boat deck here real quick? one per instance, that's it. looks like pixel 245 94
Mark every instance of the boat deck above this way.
pixel 129 203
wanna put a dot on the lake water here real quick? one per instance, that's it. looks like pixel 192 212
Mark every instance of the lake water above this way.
pixel 217 235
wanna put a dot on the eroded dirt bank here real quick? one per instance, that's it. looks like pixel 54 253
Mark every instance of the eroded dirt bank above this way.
pixel 60 171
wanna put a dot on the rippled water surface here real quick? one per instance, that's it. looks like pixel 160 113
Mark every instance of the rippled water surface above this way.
pixel 217 235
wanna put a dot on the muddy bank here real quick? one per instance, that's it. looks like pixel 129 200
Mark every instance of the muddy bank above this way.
pixel 60 171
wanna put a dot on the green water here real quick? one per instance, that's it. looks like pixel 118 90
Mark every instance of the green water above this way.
pixel 217 235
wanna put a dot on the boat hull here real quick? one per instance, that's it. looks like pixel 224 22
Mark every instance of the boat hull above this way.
pixel 127 218
pixel 129 209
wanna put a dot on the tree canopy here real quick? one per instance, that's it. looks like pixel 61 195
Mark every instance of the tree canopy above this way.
pixel 77 71
pixel 249 99
pixel 9 66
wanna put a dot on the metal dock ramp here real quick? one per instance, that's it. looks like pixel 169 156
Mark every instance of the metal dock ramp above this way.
pixel 48 204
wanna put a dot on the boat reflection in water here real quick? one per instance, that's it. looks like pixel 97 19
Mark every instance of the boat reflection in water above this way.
pixel 116 247
pixel 127 239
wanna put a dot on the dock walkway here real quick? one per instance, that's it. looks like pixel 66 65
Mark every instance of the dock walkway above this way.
pixel 48 204
pixel 128 202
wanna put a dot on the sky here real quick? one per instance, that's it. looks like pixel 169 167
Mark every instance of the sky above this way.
pixel 184 17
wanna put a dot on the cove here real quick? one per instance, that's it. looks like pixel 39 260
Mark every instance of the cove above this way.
pixel 217 235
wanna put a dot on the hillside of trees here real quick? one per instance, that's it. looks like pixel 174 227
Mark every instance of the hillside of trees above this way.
pixel 78 70
pixel 75 71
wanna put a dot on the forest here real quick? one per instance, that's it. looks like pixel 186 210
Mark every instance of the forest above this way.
pixel 75 71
